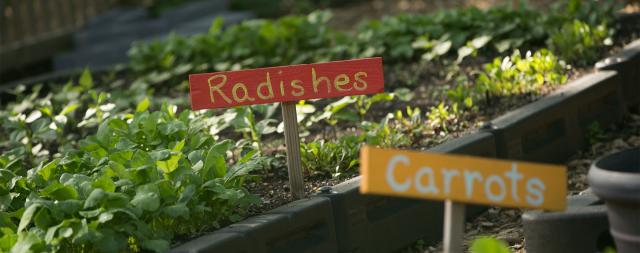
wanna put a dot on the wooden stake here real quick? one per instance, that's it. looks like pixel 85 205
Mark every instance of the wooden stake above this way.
pixel 292 141
pixel 453 227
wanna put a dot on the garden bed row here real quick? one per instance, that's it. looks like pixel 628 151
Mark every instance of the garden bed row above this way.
pixel 343 220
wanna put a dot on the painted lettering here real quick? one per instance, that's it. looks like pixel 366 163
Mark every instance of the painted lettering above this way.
pixel 218 88
pixel 360 84
pixel 535 189
pixel 316 81
pixel 469 177
pixel 340 81
pixel 430 187
pixel 493 179
pixel 297 85
pixel 514 175
pixel 448 175
pixel 261 87
pixel 391 166
pixel 245 93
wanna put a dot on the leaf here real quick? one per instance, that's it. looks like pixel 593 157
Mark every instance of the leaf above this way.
pixel 442 47
pixel 42 219
pixel 502 45
pixel 143 105
pixel 480 42
pixel 8 239
pixel 33 116
pixel 48 170
pixel 104 217
pixel 464 52
pixel 404 94
pixel 27 216
pixel 216 26
pixel 69 108
pixel 215 163
pixel 169 165
pixel 489 245
pixel 110 241
pixel 105 183
pixel 28 243
pixel 178 147
pixel 147 197
pixel 118 125
pixel 177 210
pixel 104 135
pixel 86 81
pixel 94 199
pixel 156 245
pixel 58 191
pixel 172 127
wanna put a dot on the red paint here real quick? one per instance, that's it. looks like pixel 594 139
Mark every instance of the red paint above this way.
pixel 288 83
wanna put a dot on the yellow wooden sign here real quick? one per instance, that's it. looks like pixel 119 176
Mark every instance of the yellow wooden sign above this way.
pixel 463 179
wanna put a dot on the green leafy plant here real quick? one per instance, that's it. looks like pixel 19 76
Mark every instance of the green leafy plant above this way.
pixel 142 180
pixel 336 157
pixel 579 42
pixel 488 245
pixel 443 117
pixel 244 121
pixel 518 74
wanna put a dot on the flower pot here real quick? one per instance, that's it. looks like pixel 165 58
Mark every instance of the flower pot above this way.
pixel 615 178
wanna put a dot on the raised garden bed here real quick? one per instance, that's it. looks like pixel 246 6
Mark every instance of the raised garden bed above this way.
pixel 365 223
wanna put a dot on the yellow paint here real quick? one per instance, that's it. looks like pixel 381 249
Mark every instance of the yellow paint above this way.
pixel 245 93
pixel 358 76
pixel 217 87
pixel 340 81
pixel 297 84
pixel 266 84
pixel 316 81
pixel 464 179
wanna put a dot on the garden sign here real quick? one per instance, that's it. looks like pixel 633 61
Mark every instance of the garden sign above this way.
pixel 287 84
pixel 459 179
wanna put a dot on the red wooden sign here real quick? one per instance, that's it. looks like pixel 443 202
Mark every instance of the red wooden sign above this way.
pixel 286 83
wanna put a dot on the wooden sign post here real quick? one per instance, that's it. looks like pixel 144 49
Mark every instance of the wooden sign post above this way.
pixel 458 179
pixel 287 85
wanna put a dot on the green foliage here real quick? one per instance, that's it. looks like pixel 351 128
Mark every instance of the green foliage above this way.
pixel 254 43
pixel 81 173
pixel 246 122
pixel 488 245
pixel 442 117
pixel 450 35
pixel 274 8
pixel 579 42
pixel 336 157
pixel 592 12
pixel 515 74
pixel 149 178
pixel 462 31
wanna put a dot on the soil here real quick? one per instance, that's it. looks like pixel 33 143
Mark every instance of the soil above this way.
pixel 505 223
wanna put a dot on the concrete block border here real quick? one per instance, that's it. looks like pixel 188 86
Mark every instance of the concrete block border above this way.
pixel 301 226
pixel 583 227
pixel 627 63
